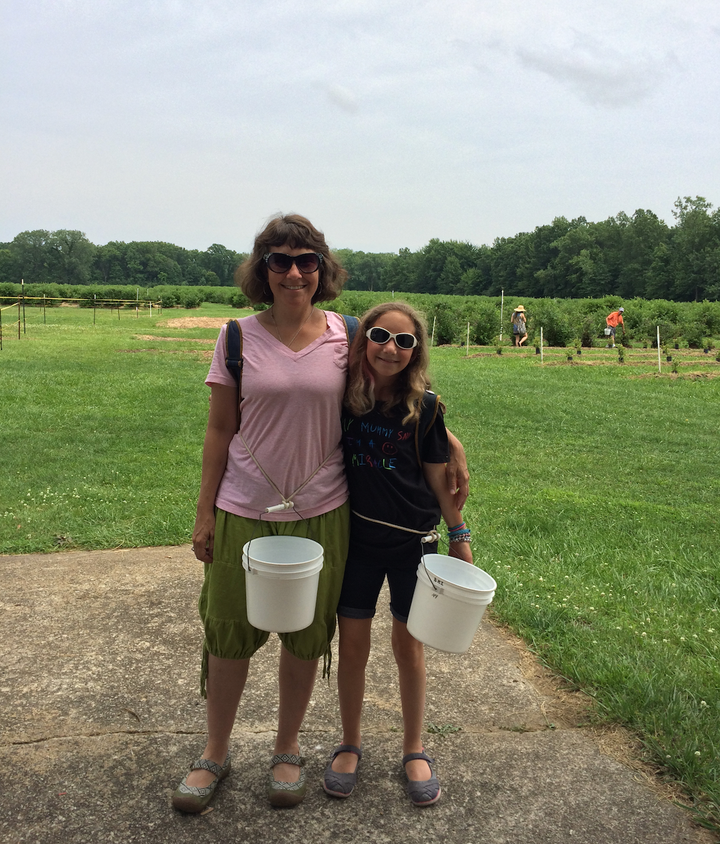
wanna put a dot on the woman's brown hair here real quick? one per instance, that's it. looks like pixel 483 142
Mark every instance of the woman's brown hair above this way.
pixel 295 232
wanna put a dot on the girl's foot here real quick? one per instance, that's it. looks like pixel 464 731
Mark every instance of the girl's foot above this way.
pixel 423 792
pixel 341 773
pixel 417 769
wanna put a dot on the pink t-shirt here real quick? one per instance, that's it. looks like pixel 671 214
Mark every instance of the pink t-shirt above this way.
pixel 290 420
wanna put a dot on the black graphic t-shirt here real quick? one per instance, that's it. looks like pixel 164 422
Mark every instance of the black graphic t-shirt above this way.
pixel 385 480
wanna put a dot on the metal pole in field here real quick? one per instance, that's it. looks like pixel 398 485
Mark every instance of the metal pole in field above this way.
pixel 44 320
pixel 658 345
pixel 541 344
pixel 22 287
pixel 18 318
pixel 94 306
pixel 502 305
pixel 467 344
pixel 432 339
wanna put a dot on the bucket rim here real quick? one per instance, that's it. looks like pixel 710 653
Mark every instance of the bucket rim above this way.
pixel 424 569
pixel 313 550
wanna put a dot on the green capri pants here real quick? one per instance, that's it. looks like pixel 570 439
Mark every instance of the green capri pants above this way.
pixel 228 633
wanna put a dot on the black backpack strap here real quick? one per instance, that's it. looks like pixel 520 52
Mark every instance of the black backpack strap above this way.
pixel 428 413
pixel 351 327
pixel 233 356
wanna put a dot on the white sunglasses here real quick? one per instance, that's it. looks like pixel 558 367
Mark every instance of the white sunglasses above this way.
pixel 403 340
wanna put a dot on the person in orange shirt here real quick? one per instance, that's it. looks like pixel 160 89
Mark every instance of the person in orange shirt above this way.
pixel 613 320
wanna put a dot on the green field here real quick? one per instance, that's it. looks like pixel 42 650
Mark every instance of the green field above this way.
pixel 594 496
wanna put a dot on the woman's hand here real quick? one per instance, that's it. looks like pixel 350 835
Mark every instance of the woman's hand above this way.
pixel 461 550
pixel 456 472
pixel 203 537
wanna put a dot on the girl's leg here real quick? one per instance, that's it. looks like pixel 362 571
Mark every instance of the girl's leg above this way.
pixel 225 683
pixel 297 678
pixel 354 650
pixel 410 658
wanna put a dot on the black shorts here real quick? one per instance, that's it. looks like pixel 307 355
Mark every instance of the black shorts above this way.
pixel 368 565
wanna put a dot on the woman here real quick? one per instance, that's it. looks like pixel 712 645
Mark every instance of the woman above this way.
pixel 293 381
pixel 519 324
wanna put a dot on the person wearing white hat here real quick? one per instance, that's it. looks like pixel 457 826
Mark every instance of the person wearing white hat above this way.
pixel 519 324
pixel 612 321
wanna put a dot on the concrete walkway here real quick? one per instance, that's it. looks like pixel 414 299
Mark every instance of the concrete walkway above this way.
pixel 100 716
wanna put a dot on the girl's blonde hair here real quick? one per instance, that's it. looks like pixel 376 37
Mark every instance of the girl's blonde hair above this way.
pixel 410 384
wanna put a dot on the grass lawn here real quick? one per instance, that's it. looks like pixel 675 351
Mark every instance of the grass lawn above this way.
pixel 594 496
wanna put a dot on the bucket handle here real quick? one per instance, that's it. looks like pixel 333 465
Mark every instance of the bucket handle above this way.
pixel 433 536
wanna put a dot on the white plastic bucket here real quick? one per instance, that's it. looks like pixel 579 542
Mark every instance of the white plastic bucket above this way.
pixel 281 581
pixel 449 602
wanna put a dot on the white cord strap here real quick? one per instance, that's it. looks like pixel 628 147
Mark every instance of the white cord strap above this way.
pixel 287 502
pixel 427 536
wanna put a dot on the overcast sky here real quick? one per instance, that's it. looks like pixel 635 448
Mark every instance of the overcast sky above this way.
pixel 386 122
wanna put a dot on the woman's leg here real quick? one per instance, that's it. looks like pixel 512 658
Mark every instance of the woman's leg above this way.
pixel 354 650
pixel 225 683
pixel 297 679
pixel 410 658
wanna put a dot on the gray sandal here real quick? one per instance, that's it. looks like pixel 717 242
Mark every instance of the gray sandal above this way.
pixel 335 783
pixel 190 798
pixel 422 792
pixel 285 794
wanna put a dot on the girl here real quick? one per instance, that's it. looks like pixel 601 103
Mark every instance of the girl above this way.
pixel 395 448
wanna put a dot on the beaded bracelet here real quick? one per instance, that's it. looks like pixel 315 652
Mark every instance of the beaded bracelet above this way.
pixel 459 533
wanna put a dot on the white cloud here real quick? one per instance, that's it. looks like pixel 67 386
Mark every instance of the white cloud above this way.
pixel 599 74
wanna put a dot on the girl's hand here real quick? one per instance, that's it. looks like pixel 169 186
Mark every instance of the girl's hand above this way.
pixel 461 550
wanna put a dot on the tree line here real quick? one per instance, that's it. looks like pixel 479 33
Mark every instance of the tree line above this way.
pixel 638 256
pixel 68 257
pixel 631 257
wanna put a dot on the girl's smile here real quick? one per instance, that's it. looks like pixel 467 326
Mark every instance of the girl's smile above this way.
pixel 388 360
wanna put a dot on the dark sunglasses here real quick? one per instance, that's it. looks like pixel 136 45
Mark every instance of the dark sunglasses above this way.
pixel 382 335
pixel 279 262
